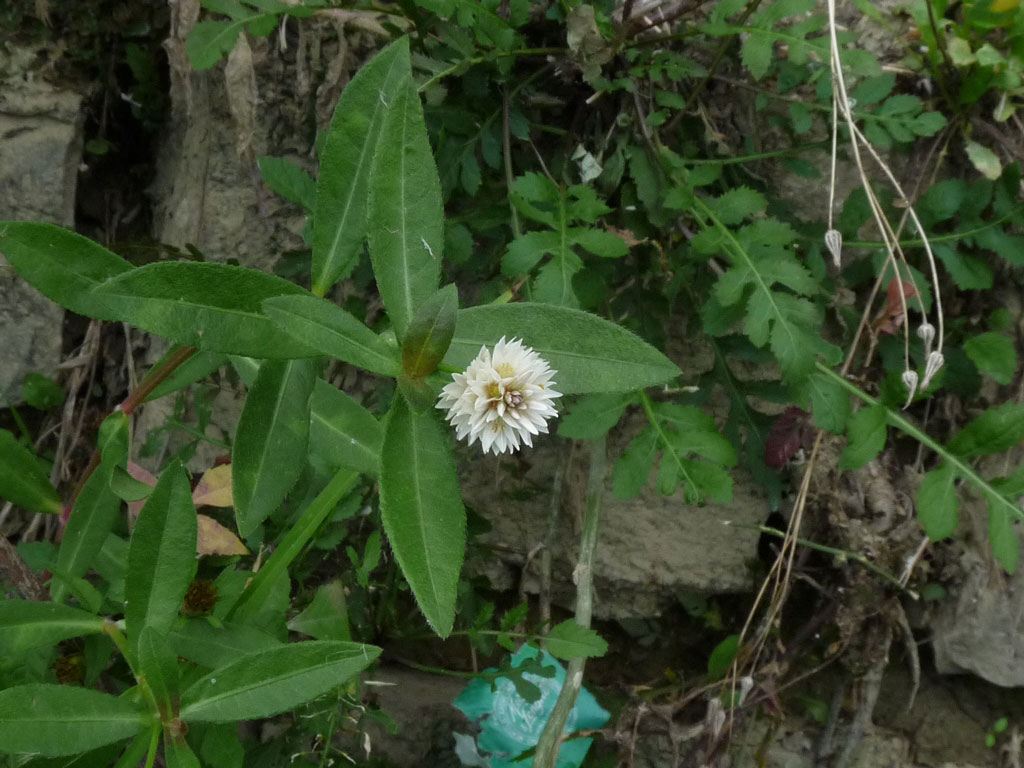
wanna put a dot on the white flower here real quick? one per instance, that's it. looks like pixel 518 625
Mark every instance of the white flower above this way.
pixel 502 398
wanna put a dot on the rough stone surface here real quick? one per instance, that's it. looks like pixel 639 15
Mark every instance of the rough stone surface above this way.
pixel 40 150
pixel 651 549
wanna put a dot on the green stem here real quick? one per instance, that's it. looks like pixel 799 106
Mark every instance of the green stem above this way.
pixel 961 467
pixel 948 237
pixel 277 565
pixel 546 755
pixel 154 741
pixel 466 63
pixel 856 557
pixel 759 155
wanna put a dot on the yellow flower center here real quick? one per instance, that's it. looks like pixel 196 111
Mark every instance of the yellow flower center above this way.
pixel 493 391
pixel 505 370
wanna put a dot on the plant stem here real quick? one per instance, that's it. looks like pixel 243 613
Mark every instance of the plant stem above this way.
pixel 277 564
pixel 154 740
pixel 490 57
pixel 546 755
pixel 961 467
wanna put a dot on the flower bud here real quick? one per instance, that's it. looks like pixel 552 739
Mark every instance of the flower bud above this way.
pixel 926 332
pixel 910 382
pixel 935 362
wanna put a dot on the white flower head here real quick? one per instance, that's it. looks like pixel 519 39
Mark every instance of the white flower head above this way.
pixel 834 243
pixel 503 398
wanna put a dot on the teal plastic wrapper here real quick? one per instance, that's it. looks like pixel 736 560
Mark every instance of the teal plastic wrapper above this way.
pixel 510 725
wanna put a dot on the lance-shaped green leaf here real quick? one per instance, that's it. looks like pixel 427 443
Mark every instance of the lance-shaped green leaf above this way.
pixel 60 264
pixel 430 333
pixel 342 432
pixel 345 162
pixel 406 219
pixel 273 681
pixel 590 353
pixel 201 642
pixel 178 754
pixel 161 555
pixel 1002 535
pixel 159 665
pixel 213 307
pixel 333 331
pixel 273 432
pixel 196 368
pixel 326 617
pixel 937 504
pixel 96 507
pixel 55 720
pixel 26 624
pixel 23 482
pixel 422 511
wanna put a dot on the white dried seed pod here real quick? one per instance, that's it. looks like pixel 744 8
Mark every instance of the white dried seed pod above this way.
pixel 910 382
pixel 935 362
pixel 834 243
pixel 926 332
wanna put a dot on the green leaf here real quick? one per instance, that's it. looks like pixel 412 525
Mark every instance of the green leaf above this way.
pixel 60 264
pixel 343 433
pixel 830 403
pixel 1002 536
pixel 161 555
pixel 422 511
pixel 214 307
pixel 55 720
pixel 937 503
pixel 210 41
pixel 569 640
pixel 589 353
pixel 406 219
pixel 722 656
pixel 430 333
pixel 210 646
pixel 996 430
pixel 178 754
pixel 196 368
pixel 599 242
pixel 984 160
pixel 25 624
pixel 756 55
pixel 593 415
pixel 96 507
pixel 289 180
pixel 326 617
pixel 524 252
pixel 272 681
pixel 866 437
pixel 330 329
pixel 736 205
pixel 348 154
pixel 969 272
pixel 159 665
pixel 23 481
pixel 634 465
pixel 272 437
pixel 41 393
pixel 993 354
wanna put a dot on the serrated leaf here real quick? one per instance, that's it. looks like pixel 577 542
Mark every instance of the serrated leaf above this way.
pixel 405 214
pixel 634 466
pixel 969 272
pixel 210 41
pixel 937 503
pixel 866 437
pixel 23 481
pixel 830 403
pixel 996 430
pixel 327 327
pixel 600 242
pixel 994 355
pixel 736 205
pixel 214 307
pixel 346 161
pixel 422 512
pixel 55 720
pixel 161 555
pixel 569 640
pixel 590 354
pixel 525 252
pixel 272 436
pixel 60 264
pixel 272 681
pixel 756 54
pixel 593 415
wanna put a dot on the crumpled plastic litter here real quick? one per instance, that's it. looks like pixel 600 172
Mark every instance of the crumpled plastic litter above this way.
pixel 510 725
